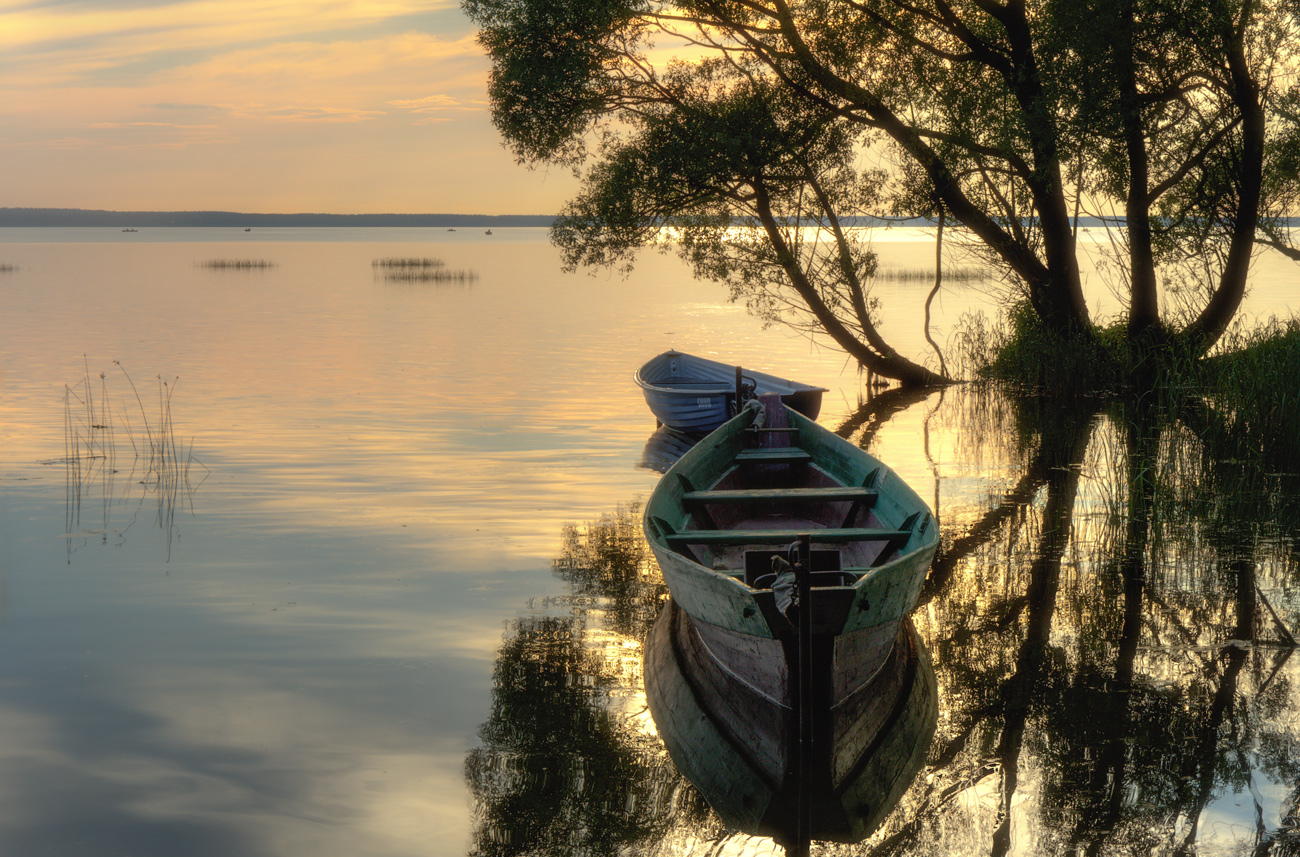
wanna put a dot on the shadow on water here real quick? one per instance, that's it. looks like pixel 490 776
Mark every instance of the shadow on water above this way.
pixel 1109 619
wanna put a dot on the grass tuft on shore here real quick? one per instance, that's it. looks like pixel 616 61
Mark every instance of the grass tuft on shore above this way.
pixel 1251 386
pixel 1242 401
pixel 1020 352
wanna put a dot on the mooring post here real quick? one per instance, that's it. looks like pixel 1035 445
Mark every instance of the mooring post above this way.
pixel 803 575
pixel 739 403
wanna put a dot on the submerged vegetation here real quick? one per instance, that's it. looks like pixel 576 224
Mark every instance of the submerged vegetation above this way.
pixel 421 270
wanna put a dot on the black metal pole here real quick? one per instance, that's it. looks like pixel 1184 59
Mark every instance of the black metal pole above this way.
pixel 739 403
pixel 803 575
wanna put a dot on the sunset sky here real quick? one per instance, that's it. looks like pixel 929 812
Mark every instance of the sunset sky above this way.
pixel 341 106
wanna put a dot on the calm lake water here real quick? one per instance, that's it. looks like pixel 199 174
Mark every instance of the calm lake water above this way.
pixel 388 597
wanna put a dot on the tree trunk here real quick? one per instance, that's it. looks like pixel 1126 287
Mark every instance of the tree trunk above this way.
pixel 1201 334
pixel 1144 307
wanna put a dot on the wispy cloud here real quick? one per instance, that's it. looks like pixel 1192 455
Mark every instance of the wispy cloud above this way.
pixel 137 135
pixel 434 108
pixel 189 24
pixel 305 114
pixel 328 104
pixel 148 125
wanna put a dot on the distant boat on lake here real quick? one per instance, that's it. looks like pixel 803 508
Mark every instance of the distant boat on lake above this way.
pixel 130 230
pixel 696 394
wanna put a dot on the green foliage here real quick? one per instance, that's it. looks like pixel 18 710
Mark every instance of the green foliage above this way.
pixel 774 124
pixel 550 62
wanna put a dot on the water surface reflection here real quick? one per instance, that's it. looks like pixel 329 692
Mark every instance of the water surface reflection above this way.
pixel 1109 619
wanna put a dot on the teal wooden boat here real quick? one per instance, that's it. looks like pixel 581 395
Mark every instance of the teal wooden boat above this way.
pixel 721 523
pixel 744 493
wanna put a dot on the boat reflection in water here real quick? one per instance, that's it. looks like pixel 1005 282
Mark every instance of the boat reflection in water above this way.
pixel 665 446
pixel 738 745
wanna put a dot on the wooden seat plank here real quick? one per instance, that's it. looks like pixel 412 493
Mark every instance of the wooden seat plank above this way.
pixel 785 536
pixel 764 495
pixel 773 455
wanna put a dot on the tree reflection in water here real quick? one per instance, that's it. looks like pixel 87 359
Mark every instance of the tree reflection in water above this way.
pixel 1108 620
pixel 570 762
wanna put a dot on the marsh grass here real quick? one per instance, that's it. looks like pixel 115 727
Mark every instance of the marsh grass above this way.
pixel 926 275
pixel 98 428
pixel 1242 403
pixel 1251 386
pixel 408 263
pixel 1020 352
pixel 421 270
pixel 236 264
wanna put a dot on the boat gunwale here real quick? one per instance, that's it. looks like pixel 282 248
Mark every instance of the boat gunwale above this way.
pixel 790 387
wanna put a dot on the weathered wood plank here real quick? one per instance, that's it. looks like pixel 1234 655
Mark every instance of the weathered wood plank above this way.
pixel 774 455
pixel 782 495
pixel 784 536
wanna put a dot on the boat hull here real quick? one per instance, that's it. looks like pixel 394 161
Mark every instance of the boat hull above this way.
pixel 696 395
pixel 712 582
pixel 737 743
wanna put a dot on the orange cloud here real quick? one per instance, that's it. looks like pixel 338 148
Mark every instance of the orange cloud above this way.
pixel 187 25
pixel 433 108
pixel 295 105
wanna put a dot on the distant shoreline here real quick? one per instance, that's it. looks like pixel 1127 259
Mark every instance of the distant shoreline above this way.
pixel 92 217
pixel 46 217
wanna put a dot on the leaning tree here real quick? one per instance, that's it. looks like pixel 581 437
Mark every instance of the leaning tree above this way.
pixel 753 135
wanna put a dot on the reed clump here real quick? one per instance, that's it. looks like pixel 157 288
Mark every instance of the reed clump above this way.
pixel 98 427
pixel 421 270
pixel 236 264
pixel 7 268
pixel 1251 387
pixel 1021 352
pixel 924 275
pixel 408 263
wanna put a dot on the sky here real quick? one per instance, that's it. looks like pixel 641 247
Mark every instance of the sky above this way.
pixel 337 106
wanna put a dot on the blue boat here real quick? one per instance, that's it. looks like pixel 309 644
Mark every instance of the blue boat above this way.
pixel 695 394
